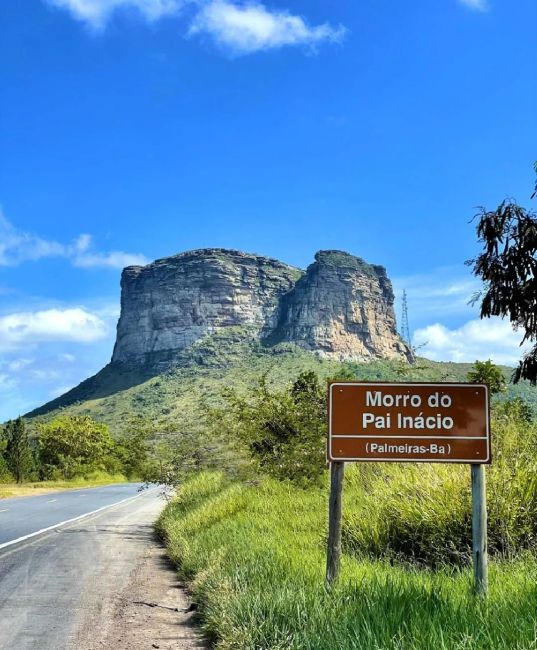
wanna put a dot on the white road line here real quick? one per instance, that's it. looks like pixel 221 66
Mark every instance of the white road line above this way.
pixel 68 521
pixel 4 510
pixel 52 500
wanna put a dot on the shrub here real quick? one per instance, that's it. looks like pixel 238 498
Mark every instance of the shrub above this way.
pixel 5 475
pixel 486 372
pixel 282 430
pixel 73 446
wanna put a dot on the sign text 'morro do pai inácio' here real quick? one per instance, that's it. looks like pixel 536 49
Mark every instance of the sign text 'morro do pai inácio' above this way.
pixel 408 422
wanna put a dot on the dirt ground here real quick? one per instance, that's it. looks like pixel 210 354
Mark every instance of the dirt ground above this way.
pixel 154 611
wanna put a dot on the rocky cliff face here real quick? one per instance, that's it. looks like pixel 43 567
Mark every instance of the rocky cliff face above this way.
pixel 172 303
pixel 341 307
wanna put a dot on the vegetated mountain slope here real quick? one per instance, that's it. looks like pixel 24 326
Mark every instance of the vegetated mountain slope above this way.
pixel 201 321
pixel 212 306
pixel 178 400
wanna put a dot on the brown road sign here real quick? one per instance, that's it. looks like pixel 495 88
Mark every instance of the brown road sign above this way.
pixel 443 423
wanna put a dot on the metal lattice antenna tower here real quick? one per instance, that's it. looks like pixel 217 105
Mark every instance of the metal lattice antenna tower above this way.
pixel 405 329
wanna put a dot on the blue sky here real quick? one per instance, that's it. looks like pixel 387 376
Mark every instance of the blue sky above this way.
pixel 135 129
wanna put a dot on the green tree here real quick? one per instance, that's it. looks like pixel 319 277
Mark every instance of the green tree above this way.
pixel 486 372
pixel 282 430
pixel 73 446
pixel 131 450
pixel 171 461
pixel 18 453
pixel 514 409
pixel 5 474
pixel 507 266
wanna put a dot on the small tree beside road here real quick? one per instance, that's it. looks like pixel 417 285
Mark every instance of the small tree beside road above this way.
pixel 73 446
pixel 18 453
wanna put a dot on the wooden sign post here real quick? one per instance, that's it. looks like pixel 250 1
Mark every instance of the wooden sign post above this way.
pixel 335 506
pixel 409 422
pixel 479 530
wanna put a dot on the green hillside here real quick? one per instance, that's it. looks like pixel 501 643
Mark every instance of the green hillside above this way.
pixel 178 399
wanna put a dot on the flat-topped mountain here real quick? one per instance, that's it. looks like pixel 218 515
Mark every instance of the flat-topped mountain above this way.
pixel 214 307
pixel 340 307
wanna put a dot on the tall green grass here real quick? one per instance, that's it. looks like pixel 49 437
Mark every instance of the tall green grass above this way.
pixel 255 557
pixel 422 513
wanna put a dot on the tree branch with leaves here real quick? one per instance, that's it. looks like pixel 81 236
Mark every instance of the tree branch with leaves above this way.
pixel 507 266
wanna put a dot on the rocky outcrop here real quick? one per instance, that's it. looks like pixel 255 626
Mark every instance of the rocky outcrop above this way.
pixel 170 304
pixel 341 307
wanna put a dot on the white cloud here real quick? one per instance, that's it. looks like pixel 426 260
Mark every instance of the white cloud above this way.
pixel 60 390
pixel 17 246
pixel 67 357
pixel 19 364
pixel 49 349
pixel 82 256
pixel 476 5
pixel 113 260
pixel 240 26
pixel 442 293
pixel 245 28
pixel 444 323
pixel 96 13
pixel 6 382
pixel 30 370
pixel 476 339
pixel 75 324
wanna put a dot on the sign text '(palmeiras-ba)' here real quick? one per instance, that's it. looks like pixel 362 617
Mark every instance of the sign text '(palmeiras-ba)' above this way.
pixel 446 423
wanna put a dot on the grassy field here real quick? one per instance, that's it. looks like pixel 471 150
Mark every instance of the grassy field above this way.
pixel 254 555
pixel 8 490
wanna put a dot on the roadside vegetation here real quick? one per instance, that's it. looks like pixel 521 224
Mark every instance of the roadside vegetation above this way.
pixel 70 451
pixel 255 558
pixel 251 539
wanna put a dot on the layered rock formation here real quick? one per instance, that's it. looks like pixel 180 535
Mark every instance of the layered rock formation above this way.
pixel 341 307
pixel 170 304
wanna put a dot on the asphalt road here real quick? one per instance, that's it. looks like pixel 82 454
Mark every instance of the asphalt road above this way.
pixel 24 516
pixel 58 588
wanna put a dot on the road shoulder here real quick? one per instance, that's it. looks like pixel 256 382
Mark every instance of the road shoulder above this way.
pixel 154 610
